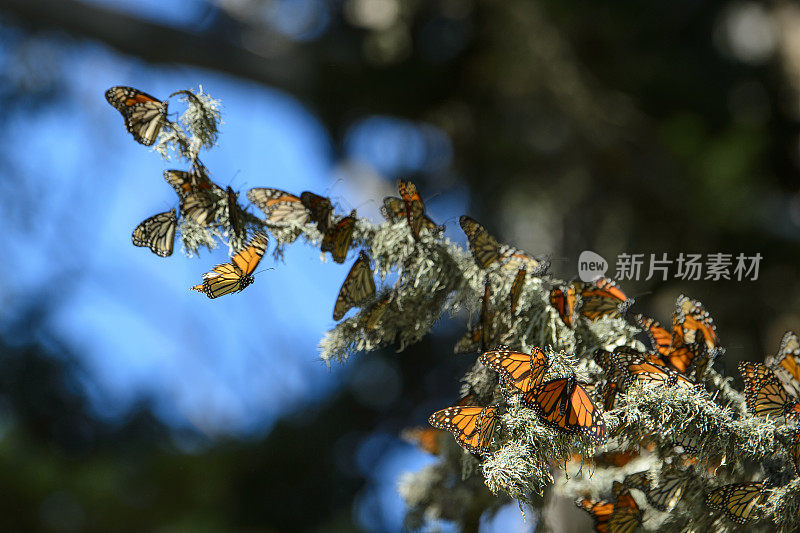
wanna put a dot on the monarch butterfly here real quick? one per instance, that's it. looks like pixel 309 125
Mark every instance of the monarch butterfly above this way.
pixel 357 288
pixel 198 195
pixel 320 209
pixel 414 209
pixel 426 439
pixel 516 290
pixel 764 393
pixel 374 315
pixel 665 495
pixel 486 250
pixel 565 405
pixel 338 237
pixel 786 364
pixel 157 233
pixel 394 210
pixel 480 336
pixel 563 299
pixel 603 297
pixel 520 371
pixel 691 319
pixel 279 206
pixel 739 502
pixel 235 214
pixel 635 368
pixel 144 115
pixel 621 516
pixel 472 426
pixel 661 342
pixel 236 275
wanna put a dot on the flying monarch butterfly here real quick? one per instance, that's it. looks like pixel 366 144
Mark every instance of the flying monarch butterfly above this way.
pixel 235 214
pixel 198 195
pixel 426 439
pixel 786 363
pixel 472 426
pixel 320 209
pixel 338 237
pixel 665 494
pixel 144 114
pixel 374 315
pixel 764 393
pixel 520 371
pixel 516 290
pixel 157 233
pixel 690 320
pixel 279 206
pixel 564 300
pixel 358 287
pixel 740 502
pixel 621 516
pixel 236 275
pixel 602 297
pixel 565 405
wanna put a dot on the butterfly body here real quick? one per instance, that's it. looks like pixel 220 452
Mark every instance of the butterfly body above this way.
pixel 565 405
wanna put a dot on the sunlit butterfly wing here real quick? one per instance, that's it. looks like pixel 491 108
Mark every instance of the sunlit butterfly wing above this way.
pixel 519 371
pixel 144 114
pixel 320 209
pixel 692 323
pixel 786 363
pixel 636 367
pixel 236 275
pixel 660 338
pixel 565 405
pixel 513 258
pixel 338 238
pixel 516 290
pixel 601 298
pixel 472 426
pixel 279 206
pixel 186 183
pixel 599 510
pixel 563 300
pixel 157 233
pixel 485 248
pixel 764 393
pixel 740 502
pixel 198 195
pixel 358 287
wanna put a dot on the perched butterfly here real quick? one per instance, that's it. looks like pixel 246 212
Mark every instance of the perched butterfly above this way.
pixel 564 404
pixel 235 214
pixel 198 195
pixel 621 516
pixel 678 357
pixel 563 299
pixel 414 209
pixel 394 210
pixel 603 297
pixel 516 290
pixel 740 502
pixel 634 367
pixel 520 371
pixel 472 426
pixel 358 287
pixel 374 314
pixel 480 336
pixel 157 233
pixel 236 275
pixel 693 324
pixel 338 237
pixel 319 208
pixel 279 206
pixel 665 494
pixel 764 393
pixel 786 363
pixel 486 250
pixel 144 115
pixel 426 439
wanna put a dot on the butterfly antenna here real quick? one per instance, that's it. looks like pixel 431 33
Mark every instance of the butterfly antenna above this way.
pixel 263 270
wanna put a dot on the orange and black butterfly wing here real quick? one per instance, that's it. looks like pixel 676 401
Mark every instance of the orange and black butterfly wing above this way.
pixel 320 209
pixel 740 502
pixel 786 364
pixel 338 238
pixel 660 338
pixel 236 275
pixel 157 233
pixel 564 300
pixel 426 439
pixel 627 516
pixel 279 206
pixel 144 114
pixel 599 510
pixel 358 287
pixel 565 405
pixel 519 371
pixel 484 247
pixel 472 426
pixel 415 208
pixel 763 391
pixel 516 290
pixel 603 298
